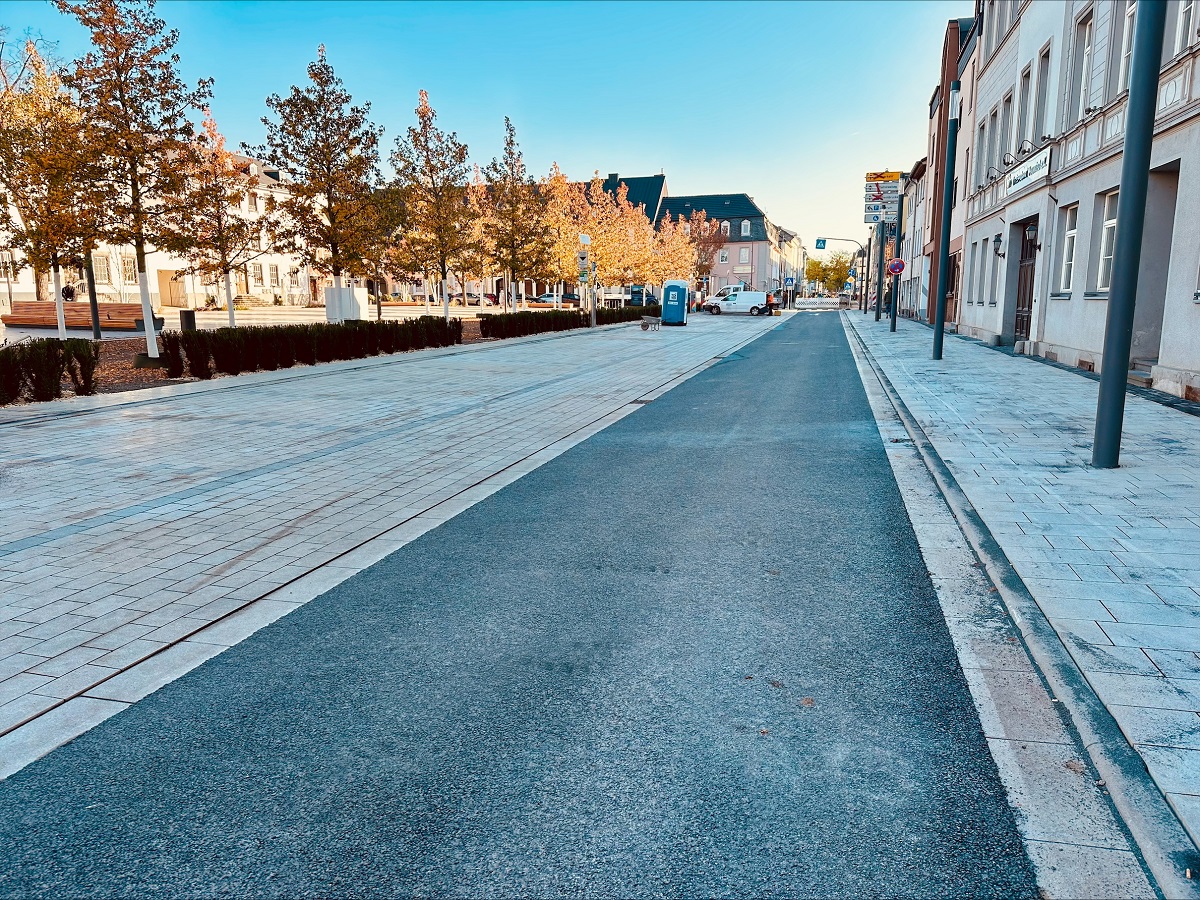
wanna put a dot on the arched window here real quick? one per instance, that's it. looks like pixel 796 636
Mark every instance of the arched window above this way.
pixel 745 228
pixel 725 229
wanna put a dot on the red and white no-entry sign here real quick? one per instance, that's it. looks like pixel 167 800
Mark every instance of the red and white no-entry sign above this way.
pixel 896 266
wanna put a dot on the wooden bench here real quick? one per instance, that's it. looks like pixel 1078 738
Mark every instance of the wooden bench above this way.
pixel 76 314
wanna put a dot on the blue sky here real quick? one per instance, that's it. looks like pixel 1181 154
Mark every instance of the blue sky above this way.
pixel 788 102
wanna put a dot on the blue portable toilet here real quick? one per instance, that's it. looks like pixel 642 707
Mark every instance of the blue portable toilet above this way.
pixel 674 302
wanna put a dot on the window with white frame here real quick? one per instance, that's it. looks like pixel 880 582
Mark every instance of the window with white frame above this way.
pixel 993 140
pixel 1070 229
pixel 1081 73
pixel 723 257
pixel 745 228
pixel 1125 60
pixel 1040 125
pixel 980 155
pixel 1006 145
pixel 294 278
pixel 252 201
pixel 101 269
pixel 744 255
pixel 129 269
pixel 7 269
pixel 1108 241
pixel 725 229
pixel 273 273
pixel 256 273
pixel 1183 25
pixel 1023 106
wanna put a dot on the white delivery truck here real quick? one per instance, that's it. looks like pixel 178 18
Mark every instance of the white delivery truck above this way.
pixel 735 299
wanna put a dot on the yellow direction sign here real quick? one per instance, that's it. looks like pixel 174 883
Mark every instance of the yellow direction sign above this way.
pixel 883 176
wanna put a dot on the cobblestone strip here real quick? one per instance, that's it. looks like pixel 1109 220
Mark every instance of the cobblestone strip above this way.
pixel 254 489
pixel 1111 557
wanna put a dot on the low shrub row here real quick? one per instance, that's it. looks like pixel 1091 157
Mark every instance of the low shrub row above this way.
pixel 231 351
pixel 626 314
pixel 520 324
pixel 34 370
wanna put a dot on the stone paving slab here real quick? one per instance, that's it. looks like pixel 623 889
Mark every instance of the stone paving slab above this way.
pixel 1109 555
pixel 133 525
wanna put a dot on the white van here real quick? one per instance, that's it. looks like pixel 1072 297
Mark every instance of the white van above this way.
pixel 739 301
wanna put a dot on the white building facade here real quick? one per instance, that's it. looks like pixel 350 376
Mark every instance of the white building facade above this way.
pixel 1051 87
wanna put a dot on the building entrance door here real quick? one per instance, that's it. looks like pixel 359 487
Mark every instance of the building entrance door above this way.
pixel 1029 248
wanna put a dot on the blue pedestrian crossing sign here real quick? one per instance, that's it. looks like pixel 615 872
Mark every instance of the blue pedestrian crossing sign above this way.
pixel 789 282
pixel 820 243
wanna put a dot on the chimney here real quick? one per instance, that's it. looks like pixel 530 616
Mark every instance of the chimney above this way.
pixel 613 176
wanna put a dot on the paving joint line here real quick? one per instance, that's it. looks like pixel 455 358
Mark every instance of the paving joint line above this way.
pixel 1143 809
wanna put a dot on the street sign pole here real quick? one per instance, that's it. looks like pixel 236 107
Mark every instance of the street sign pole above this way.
pixel 879 280
pixel 1131 222
pixel 943 282
pixel 900 256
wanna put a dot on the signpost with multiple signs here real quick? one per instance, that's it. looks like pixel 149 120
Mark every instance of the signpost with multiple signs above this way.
pixel 882 197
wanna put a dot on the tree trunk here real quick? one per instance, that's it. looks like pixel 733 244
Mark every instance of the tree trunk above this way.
pixel 139 247
pixel 93 302
pixel 445 297
pixel 58 300
pixel 229 299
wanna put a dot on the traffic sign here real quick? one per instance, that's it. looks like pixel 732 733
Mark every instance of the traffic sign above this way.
pixel 820 243
pixel 882 187
pixel 883 176
pixel 848 285
pixel 789 282
pixel 888 218
pixel 896 266
pixel 880 207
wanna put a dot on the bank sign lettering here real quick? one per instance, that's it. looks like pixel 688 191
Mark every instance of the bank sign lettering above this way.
pixel 1037 166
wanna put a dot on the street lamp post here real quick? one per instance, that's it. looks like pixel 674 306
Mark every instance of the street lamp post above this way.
pixel 939 316
pixel 1131 221
pixel 860 247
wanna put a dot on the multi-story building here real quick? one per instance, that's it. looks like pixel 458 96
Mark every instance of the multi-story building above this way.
pixel 1050 92
pixel 757 252
pixel 273 278
pixel 914 236
pixel 954 41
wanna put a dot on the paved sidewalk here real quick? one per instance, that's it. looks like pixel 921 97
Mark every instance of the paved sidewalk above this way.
pixel 1111 557
pixel 131 523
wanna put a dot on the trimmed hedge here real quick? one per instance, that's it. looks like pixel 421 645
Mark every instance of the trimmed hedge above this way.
pixel 520 324
pixel 34 370
pixel 231 351
pixel 626 314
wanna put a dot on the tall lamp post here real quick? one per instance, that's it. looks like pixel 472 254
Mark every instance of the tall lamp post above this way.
pixel 843 240
pixel 939 315
pixel 1131 221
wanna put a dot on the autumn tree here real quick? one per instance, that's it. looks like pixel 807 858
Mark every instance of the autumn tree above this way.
pixel 565 218
pixel 433 176
pixel 835 270
pixel 518 240
pixel 47 171
pixel 140 110
pixel 708 240
pixel 329 150
pixel 209 228
pixel 674 253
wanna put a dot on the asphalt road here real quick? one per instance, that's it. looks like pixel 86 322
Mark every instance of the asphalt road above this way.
pixel 697 655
